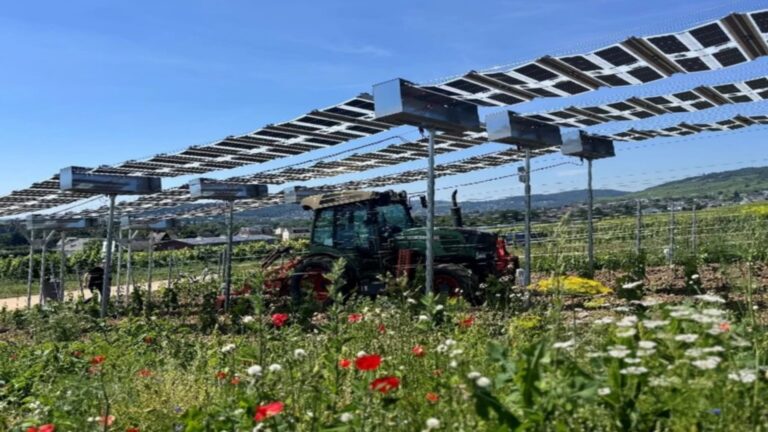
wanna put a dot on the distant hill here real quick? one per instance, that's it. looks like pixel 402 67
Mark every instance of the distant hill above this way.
pixel 292 211
pixel 725 183
pixel 552 200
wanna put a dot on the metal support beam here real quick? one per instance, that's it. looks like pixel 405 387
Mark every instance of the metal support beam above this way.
pixel 118 281
pixel 639 230
pixel 590 226
pixel 30 271
pixel 129 265
pixel 228 264
pixel 62 265
pixel 46 239
pixel 527 216
pixel 430 233
pixel 150 267
pixel 107 283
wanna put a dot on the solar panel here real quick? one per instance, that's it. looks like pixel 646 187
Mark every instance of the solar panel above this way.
pixel 714 45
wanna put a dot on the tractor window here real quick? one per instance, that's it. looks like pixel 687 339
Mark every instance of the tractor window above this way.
pixel 351 229
pixel 394 215
pixel 322 234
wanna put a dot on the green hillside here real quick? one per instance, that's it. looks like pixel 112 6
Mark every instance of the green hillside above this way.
pixel 726 183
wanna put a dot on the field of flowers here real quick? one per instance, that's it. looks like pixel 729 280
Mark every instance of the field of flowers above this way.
pixel 530 361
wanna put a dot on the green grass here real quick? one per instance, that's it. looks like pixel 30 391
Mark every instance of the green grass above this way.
pixel 666 367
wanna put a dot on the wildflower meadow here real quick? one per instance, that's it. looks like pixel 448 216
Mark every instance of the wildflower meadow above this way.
pixel 547 360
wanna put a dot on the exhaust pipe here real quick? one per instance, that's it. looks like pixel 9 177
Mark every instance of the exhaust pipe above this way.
pixel 458 221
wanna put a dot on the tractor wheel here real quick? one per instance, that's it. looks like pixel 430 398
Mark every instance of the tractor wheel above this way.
pixel 453 280
pixel 309 277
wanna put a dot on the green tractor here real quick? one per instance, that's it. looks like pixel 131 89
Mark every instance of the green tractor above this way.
pixel 376 234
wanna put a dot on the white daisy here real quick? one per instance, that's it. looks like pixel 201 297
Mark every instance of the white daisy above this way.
pixel 562 345
pixel 710 298
pixel 745 376
pixel 633 370
pixel 646 344
pixel 254 371
pixel 707 363
pixel 689 338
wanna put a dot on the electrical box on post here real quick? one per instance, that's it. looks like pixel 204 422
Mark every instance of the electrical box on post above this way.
pixel 509 128
pixel 400 102
pixel 580 144
pixel 294 195
pixel 37 222
pixel 203 188
pixel 77 180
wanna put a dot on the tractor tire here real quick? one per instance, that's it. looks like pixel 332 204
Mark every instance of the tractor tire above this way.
pixel 453 280
pixel 308 277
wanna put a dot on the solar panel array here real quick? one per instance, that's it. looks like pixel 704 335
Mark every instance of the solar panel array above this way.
pixel 178 196
pixel 639 108
pixel 340 123
pixel 734 39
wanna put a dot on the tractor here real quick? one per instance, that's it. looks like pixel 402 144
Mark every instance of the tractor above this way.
pixel 376 235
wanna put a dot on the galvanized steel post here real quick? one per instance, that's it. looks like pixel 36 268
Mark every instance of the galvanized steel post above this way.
pixel 30 271
pixel 527 216
pixel 430 232
pixel 228 264
pixel 107 283
pixel 590 226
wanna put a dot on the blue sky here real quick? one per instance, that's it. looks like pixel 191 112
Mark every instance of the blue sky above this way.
pixel 92 82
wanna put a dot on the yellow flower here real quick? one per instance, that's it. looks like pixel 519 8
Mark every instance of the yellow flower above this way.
pixel 573 285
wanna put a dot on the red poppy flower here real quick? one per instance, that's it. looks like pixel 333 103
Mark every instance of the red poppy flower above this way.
pixel 368 362
pixel 354 318
pixel 418 351
pixel 266 411
pixel 725 326
pixel 382 329
pixel 50 427
pixel 385 384
pixel 235 380
pixel 221 375
pixel 279 319
pixel 467 322
pixel 97 360
pixel 344 363
pixel 433 397
pixel 132 429
pixel 145 373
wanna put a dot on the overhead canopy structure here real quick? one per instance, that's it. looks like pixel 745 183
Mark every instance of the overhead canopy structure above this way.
pixel 175 197
pixel 732 40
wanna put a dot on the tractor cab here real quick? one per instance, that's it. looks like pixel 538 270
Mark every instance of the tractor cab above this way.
pixel 359 222
pixel 376 234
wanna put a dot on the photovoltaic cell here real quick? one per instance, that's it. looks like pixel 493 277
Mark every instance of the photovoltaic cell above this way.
pixel 729 57
pixel 536 72
pixel 668 44
pixel 580 63
pixel 693 64
pixel 616 56
pixel 710 35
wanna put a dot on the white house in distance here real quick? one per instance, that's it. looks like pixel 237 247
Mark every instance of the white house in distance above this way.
pixel 292 233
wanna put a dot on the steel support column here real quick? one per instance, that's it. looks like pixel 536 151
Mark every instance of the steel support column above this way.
pixel 107 283
pixel 527 216
pixel 430 231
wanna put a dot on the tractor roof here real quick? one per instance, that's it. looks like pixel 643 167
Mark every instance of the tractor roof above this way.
pixel 332 199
